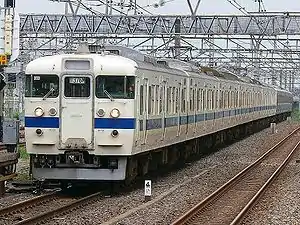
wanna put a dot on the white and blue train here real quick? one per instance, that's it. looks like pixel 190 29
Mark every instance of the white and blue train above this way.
pixel 116 114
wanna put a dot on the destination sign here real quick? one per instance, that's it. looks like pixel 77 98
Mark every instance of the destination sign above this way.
pixel 77 80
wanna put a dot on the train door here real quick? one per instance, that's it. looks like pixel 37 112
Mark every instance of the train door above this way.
pixel 77 112
pixel 138 123
pixel 162 106
pixel 144 102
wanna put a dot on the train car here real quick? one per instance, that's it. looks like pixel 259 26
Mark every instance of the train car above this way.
pixel 118 114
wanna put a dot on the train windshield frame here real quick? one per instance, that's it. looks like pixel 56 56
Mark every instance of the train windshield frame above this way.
pixel 37 86
pixel 117 87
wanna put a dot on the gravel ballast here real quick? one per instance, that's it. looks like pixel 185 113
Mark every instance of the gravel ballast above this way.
pixel 177 192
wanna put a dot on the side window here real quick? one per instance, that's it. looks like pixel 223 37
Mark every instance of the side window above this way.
pixel 120 87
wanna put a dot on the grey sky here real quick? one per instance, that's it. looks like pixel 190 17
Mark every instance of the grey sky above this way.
pixel 174 7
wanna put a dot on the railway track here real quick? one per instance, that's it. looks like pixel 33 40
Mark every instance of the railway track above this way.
pixel 231 202
pixel 43 208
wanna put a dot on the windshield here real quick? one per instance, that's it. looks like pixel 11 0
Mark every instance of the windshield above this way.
pixel 116 86
pixel 39 85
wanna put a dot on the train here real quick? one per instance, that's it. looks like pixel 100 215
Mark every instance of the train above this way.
pixel 116 114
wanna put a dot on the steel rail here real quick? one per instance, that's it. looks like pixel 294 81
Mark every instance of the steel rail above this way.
pixel 27 203
pixel 220 191
pixel 251 203
pixel 61 210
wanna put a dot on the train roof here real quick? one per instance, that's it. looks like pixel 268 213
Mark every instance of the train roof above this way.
pixel 54 64
pixel 145 61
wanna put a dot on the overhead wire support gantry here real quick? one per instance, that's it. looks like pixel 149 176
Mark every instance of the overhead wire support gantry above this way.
pixel 246 40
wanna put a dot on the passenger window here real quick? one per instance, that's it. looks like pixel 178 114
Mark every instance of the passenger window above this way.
pixel 77 87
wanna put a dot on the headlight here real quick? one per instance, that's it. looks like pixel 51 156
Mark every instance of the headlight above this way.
pixel 52 111
pixel 101 112
pixel 115 113
pixel 39 111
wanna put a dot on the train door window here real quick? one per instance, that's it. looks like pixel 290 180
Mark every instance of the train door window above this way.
pixel 212 99
pixel 161 100
pixel 41 85
pixel 183 100
pixel 177 101
pixel 201 99
pixel 225 99
pixel 153 95
pixel 168 105
pixel 191 99
pixel 150 101
pixel 157 99
pixel 204 100
pixel 216 99
pixel 77 87
pixel 208 100
pixel 141 100
pixel 198 100
pixel 174 100
pixel 221 100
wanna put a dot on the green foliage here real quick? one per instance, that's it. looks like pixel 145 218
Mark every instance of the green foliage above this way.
pixel 16 116
pixel 23 152
pixel 23 175
pixel 296 115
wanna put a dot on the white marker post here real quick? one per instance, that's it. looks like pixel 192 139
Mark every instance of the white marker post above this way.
pixel 147 190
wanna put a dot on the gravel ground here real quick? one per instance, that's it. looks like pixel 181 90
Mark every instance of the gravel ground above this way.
pixel 174 194
pixel 12 198
pixel 280 204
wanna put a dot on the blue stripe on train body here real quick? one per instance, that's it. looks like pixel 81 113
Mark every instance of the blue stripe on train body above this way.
pixel 151 124
pixel 42 122
pixel 100 123
pixel 114 123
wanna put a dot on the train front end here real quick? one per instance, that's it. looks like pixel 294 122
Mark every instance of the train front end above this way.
pixel 79 116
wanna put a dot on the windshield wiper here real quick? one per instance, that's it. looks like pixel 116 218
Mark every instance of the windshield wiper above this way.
pixel 48 94
pixel 108 95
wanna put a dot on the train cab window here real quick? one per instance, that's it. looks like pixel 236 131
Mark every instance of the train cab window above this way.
pixel 115 86
pixel 39 86
pixel 77 87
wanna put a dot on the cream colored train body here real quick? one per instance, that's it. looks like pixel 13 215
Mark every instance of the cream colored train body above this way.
pixel 86 115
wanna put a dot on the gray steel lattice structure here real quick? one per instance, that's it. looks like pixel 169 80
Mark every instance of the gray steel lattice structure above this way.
pixel 267 25
pixel 259 43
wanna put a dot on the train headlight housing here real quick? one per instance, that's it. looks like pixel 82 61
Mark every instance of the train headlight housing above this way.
pixel 38 111
pixel 39 132
pixel 52 111
pixel 114 133
pixel 101 112
pixel 115 113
